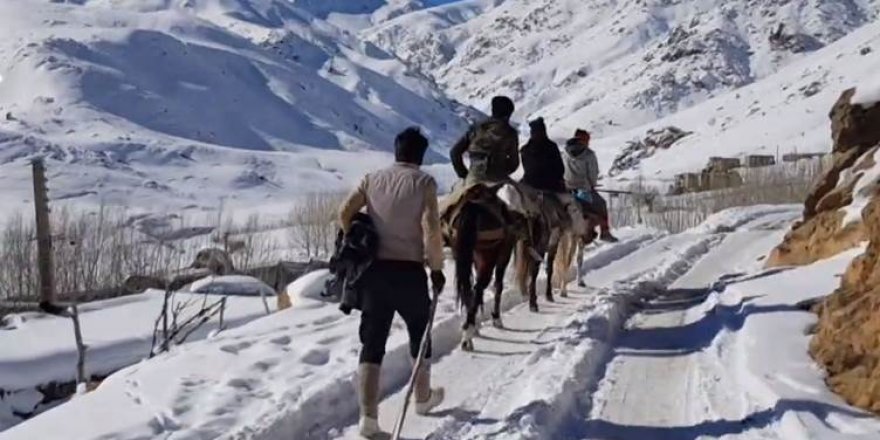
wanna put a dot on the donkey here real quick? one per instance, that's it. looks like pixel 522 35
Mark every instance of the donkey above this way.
pixel 483 242
pixel 570 245
pixel 545 232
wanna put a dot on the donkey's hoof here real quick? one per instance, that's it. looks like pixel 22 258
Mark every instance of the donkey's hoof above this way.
pixel 582 284
pixel 533 307
pixel 496 322
pixel 467 345
pixel 563 294
pixel 550 299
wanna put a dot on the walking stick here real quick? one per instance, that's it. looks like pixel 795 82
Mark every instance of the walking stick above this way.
pixel 423 347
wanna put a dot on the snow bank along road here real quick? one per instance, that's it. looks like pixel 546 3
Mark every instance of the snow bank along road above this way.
pixel 695 360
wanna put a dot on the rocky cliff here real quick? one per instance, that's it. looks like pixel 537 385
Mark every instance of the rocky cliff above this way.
pixel 842 212
pixel 831 222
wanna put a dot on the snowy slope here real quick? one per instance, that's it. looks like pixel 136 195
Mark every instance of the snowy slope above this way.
pixel 178 103
pixel 37 350
pixel 620 68
pixel 785 112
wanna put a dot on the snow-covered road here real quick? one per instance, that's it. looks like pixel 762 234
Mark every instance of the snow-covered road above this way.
pixel 523 381
pixel 661 385
pixel 722 354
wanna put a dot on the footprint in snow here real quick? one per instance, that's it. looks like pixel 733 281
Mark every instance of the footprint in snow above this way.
pixel 316 357
pixel 329 341
pixel 235 348
pixel 242 383
pixel 326 320
pixel 190 382
pixel 281 340
pixel 265 365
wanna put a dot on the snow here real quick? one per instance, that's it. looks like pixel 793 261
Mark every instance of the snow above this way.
pixel 864 189
pixel 231 285
pixel 80 88
pixel 309 286
pixel 181 104
pixel 724 354
pixel 39 349
pixel 867 93
pixel 198 106
pixel 693 358
pixel 750 217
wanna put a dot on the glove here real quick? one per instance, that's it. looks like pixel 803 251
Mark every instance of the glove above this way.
pixel 438 280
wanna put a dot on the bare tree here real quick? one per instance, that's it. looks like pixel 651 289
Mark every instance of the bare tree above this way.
pixel 313 223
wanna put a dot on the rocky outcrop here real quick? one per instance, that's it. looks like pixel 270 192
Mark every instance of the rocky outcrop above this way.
pixel 846 342
pixel 823 232
pixel 780 40
pixel 638 149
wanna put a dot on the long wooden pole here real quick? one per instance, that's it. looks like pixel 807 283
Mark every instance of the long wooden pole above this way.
pixel 44 235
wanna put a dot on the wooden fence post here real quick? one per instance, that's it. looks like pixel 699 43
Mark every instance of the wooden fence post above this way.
pixel 44 236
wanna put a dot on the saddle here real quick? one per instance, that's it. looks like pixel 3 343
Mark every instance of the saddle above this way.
pixel 480 194
pixel 536 205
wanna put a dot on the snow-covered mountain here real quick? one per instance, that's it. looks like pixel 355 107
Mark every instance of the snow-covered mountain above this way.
pixel 619 68
pixel 178 103
pixel 182 103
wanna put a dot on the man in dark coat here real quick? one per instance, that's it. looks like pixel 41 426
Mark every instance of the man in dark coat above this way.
pixel 542 161
pixel 545 172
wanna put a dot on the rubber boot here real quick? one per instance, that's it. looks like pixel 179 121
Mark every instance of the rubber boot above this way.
pixel 427 398
pixel 368 393
pixel 605 234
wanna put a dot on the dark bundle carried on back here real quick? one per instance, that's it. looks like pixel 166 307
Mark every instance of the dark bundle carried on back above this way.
pixel 353 255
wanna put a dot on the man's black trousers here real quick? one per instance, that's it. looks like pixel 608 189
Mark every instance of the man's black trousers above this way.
pixel 391 287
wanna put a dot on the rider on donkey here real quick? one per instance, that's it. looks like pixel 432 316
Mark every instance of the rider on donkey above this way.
pixel 492 147
pixel 582 177
pixel 545 171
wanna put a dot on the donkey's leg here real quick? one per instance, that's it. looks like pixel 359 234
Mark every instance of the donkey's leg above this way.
pixel 522 269
pixel 534 268
pixel 469 328
pixel 579 264
pixel 484 278
pixel 500 271
pixel 548 288
pixel 552 248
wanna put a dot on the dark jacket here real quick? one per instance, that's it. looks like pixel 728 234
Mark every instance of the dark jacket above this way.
pixel 543 165
pixel 354 254
pixel 492 146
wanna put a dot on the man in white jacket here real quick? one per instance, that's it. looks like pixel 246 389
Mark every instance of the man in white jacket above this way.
pixel 582 178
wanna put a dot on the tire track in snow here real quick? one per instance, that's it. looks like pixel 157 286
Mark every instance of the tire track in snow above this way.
pixel 661 383
pixel 547 395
